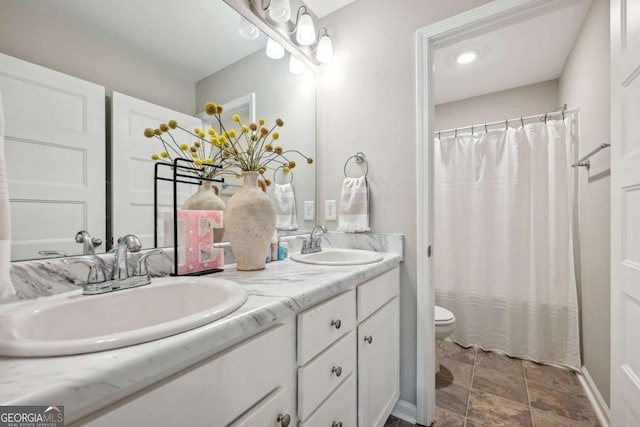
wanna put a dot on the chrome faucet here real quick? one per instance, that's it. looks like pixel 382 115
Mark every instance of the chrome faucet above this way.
pixel 103 278
pixel 312 244
pixel 88 243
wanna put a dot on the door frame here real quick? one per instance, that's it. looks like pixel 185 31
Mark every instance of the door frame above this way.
pixel 489 17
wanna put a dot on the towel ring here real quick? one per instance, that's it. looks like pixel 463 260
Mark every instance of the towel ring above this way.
pixel 359 158
pixel 275 172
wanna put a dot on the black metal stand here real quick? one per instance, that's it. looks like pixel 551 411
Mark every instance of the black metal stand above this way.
pixel 178 176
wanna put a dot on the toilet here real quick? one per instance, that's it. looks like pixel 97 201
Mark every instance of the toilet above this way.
pixel 445 325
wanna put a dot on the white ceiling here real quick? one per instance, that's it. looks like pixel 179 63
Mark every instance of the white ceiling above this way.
pixel 528 52
pixel 322 8
pixel 188 38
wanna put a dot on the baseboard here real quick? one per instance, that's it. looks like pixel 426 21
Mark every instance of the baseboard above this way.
pixel 405 411
pixel 598 403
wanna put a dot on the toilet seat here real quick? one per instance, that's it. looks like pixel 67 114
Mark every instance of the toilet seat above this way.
pixel 444 317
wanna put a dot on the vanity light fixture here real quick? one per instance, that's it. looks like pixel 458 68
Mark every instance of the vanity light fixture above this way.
pixel 324 49
pixel 247 30
pixel 304 28
pixel 466 57
pixel 279 10
pixel 274 49
pixel 296 66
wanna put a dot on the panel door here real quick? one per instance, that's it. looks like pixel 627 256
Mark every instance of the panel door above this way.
pixel 55 154
pixel 132 168
pixel 378 365
pixel 625 212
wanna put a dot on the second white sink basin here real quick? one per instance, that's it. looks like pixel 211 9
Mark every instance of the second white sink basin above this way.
pixel 73 323
pixel 338 257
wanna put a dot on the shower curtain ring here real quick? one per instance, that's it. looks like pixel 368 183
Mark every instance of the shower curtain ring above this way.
pixel 456 133
pixel 522 121
pixel 439 135
pixel 506 124
pixel 485 128
pixel 563 114
pixel 471 130
pixel 546 115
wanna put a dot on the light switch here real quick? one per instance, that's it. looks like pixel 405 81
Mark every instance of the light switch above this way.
pixel 329 210
pixel 309 208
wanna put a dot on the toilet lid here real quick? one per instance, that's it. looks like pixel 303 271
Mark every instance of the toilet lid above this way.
pixel 443 315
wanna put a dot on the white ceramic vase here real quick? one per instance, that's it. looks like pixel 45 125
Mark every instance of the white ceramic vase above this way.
pixel 250 220
pixel 206 199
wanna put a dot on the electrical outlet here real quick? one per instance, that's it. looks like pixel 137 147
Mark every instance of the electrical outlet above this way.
pixel 329 210
pixel 309 208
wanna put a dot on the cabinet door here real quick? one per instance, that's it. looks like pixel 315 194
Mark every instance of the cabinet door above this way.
pixel 378 365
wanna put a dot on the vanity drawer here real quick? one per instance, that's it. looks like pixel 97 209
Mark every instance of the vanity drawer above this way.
pixel 340 407
pixel 321 325
pixel 321 376
pixel 374 293
pixel 272 410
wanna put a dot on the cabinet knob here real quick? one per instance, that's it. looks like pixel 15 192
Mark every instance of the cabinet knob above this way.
pixel 369 339
pixel 337 424
pixel 284 420
pixel 337 370
pixel 336 323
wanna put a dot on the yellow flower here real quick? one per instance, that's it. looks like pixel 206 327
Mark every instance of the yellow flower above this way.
pixel 260 121
pixel 197 131
pixel 202 135
pixel 211 132
pixel 278 149
pixel 236 118
pixel 220 109
pixel 309 160
pixel 157 132
pixel 275 135
pixel 214 141
pixel 253 127
pixel 285 169
pixel 164 154
pixel 208 161
pixel 154 156
pixel 244 128
pixel 267 181
pixel 164 127
pixel 173 124
pixel 149 133
pixel 210 108
pixel 197 162
pixel 292 164
pixel 193 149
pixel 264 131
pixel 279 122
pixel 222 139
pixel 254 137
pixel 262 170
pixel 183 147
pixel 268 147
pixel 197 144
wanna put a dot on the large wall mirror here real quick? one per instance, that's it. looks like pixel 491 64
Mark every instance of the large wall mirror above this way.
pixel 152 61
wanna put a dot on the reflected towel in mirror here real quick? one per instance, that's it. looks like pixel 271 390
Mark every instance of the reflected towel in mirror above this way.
pixel 6 288
pixel 284 201
pixel 354 205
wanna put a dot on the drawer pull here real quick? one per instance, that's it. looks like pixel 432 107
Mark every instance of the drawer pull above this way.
pixel 337 424
pixel 284 420
pixel 369 339
pixel 336 323
pixel 337 370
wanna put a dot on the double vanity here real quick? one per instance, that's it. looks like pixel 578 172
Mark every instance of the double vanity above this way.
pixel 311 342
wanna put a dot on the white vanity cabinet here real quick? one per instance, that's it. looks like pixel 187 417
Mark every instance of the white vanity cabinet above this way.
pixel 250 384
pixel 378 348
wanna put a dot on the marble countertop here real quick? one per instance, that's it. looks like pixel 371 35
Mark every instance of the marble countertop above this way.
pixel 89 382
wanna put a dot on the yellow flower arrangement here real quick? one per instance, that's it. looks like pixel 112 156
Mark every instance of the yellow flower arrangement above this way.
pixel 252 148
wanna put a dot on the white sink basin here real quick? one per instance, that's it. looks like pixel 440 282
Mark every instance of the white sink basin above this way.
pixel 338 257
pixel 73 323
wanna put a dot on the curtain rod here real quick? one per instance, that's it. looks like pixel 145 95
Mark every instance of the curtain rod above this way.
pixel 544 116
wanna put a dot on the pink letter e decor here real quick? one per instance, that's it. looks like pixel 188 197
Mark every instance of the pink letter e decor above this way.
pixel 195 236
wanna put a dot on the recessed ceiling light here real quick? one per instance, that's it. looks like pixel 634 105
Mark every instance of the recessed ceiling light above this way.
pixel 466 57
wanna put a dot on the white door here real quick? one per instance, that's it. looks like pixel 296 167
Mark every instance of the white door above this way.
pixel 55 151
pixel 132 167
pixel 625 213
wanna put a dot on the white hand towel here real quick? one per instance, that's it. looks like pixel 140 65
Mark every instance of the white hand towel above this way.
pixel 285 203
pixel 354 205
pixel 6 288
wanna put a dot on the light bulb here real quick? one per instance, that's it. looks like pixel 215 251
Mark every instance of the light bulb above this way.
pixel 247 30
pixel 324 52
pixel 296 66
pixel 274 49
pixel 466 57
pixel 306 32
pixel 280 10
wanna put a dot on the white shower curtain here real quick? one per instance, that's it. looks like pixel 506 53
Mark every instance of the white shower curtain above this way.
pixel 503 240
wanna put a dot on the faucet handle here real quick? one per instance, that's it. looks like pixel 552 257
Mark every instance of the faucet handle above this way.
pixel 141 267
pixel 97 267
pixel 131 241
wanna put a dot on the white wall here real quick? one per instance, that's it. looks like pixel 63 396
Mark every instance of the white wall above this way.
pixel 507 104
pixel 278 94
pixel 585 83
pixel 366 102
pixel 27 34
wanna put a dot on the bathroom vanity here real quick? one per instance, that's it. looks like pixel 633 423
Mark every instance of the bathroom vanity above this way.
pixel 312 346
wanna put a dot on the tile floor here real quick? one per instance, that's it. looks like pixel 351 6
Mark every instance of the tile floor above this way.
pixel 476 388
